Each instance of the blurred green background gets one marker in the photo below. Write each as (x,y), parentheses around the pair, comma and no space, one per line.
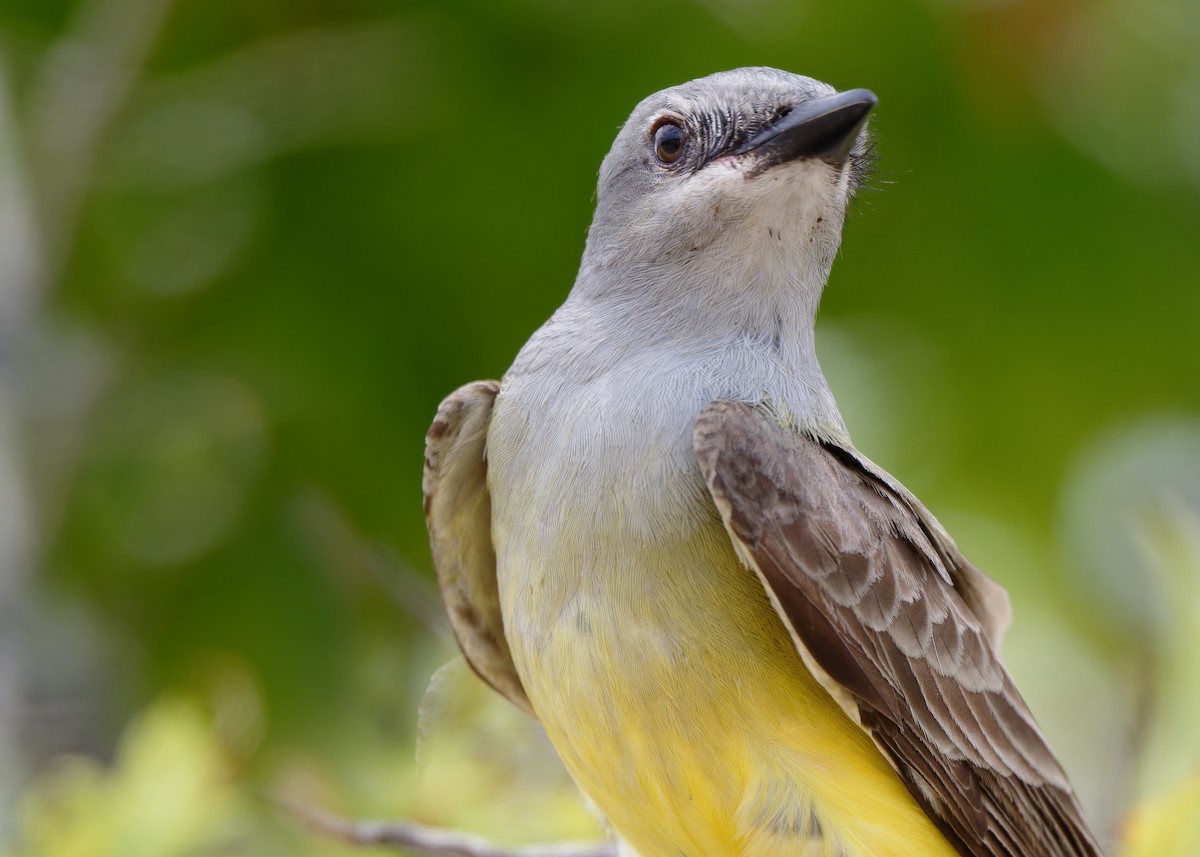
(246,247)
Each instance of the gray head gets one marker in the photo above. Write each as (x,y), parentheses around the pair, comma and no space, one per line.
(747,167)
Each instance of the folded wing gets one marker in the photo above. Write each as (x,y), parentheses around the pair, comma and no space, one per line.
(458,512)
(897,625)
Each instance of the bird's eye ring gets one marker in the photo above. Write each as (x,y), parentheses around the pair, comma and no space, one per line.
(668,142)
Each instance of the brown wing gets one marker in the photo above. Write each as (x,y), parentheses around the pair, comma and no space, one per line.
(458,513)
(887,614)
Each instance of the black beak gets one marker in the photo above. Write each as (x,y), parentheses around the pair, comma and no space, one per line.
(823,128)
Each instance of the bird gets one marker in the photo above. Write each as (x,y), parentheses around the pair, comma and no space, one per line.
(654,534)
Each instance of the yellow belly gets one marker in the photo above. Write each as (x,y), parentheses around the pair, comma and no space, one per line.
(675,698)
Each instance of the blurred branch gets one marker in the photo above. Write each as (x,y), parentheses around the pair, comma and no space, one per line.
(18,263)
(293,90)
(83,84)
(345,550)
(432,841)
(412,591)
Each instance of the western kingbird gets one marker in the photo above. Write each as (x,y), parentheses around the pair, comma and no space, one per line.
(655,536)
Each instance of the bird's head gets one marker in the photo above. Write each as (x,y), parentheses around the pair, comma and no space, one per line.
(747,167)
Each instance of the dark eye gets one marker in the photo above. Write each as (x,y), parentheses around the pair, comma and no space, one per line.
(668,143)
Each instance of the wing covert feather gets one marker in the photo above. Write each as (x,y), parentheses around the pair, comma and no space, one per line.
(458,512)
(902,630)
